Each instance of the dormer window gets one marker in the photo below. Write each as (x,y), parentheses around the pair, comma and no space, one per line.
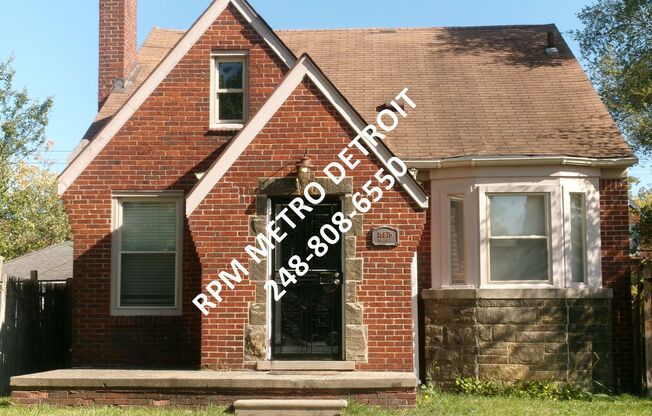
(229,104)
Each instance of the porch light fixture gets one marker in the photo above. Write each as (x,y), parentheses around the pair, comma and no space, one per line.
(304,172)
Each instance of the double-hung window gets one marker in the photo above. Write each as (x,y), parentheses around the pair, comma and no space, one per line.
(230,90)
(147,255)
(519,237)
(456,252)
(577,238)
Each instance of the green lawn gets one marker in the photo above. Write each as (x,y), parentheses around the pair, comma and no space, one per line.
(439,405)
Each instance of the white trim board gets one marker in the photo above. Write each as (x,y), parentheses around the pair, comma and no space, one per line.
(94,147)
(473,161)
(305,67)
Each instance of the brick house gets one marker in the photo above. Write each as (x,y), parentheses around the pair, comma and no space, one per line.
(508,251)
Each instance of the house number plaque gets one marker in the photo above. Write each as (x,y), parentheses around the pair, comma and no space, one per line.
(384,236)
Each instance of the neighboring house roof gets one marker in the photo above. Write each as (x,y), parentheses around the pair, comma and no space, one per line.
(479,90)
(52,263)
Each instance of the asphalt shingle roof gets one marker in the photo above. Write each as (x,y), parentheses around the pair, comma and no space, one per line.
(52,263)
(480,91)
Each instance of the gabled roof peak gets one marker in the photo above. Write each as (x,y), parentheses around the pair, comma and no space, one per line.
(304,68)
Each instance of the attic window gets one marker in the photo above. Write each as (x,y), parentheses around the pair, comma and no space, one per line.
(229,102)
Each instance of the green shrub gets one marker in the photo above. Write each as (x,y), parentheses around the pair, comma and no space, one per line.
(528,389)
(427,391)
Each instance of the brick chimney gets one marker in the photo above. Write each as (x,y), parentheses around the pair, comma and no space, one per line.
(117,45)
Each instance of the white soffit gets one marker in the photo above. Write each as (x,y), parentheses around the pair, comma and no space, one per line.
(86,156)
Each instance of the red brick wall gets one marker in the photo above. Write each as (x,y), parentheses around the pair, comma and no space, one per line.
(614,223)
(395,398)
(220,229)
(424,252)
(117,43)
(164,143)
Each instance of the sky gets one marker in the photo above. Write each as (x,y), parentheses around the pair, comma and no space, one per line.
(54,42)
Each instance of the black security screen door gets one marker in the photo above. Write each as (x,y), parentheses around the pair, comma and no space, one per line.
(307,321)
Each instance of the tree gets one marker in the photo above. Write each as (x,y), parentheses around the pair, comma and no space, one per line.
(616,42)
(31,216)
(642,227)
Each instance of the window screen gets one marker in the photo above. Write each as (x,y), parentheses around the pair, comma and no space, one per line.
(456,239)
(148,253)
(518,237)
(230,99)
(578,237)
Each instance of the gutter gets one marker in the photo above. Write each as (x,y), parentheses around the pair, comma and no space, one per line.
(475,161)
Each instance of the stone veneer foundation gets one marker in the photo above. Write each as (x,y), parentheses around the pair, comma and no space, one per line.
(514,335)
(355,336)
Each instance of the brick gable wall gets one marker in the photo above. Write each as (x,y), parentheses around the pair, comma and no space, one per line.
(616,271)
(307,121)
(159,148)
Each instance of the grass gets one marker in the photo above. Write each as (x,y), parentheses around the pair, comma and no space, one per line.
(439,404)
(442,404)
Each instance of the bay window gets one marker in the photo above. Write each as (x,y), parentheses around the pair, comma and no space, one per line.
(147,254)
(503,233)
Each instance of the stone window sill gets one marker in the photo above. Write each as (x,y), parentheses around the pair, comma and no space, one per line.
(227,127)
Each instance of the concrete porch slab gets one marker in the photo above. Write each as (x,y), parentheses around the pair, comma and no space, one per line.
(85,387)
(199,380)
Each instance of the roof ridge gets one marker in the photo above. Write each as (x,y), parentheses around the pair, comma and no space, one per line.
(396,28)
(167,29)
(361,29)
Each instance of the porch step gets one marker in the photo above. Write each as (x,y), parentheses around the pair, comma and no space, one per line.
(305,365)
(289,407)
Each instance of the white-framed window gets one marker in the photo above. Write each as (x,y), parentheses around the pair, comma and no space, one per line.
(147,253)
(582,234)
(456,240)
(229,79)
(518,235)
(577,264)
(453,252)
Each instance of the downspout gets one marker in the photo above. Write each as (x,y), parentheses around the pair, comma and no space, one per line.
(415,316)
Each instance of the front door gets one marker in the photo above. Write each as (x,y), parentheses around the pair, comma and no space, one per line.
(307,320)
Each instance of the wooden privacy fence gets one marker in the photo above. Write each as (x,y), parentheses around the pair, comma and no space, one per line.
(34,327)
(645,326)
